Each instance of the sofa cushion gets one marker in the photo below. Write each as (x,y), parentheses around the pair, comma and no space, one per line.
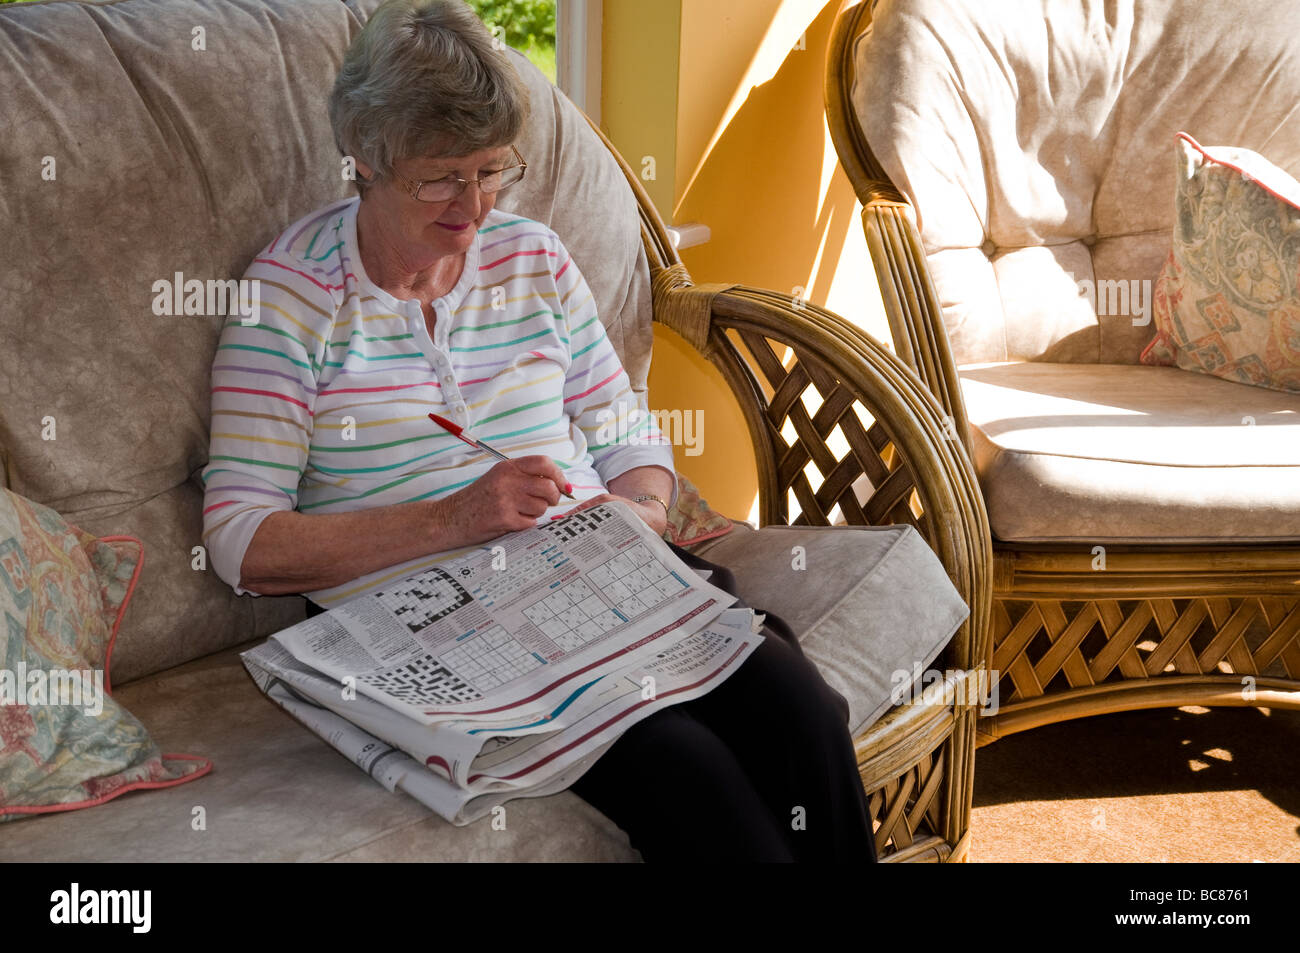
(209,154)
(191,176)
(1031,136)
(65,743)
(871,605)
(1227,302)
(280,793)
(1131,453)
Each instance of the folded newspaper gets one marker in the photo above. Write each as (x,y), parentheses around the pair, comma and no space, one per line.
(507,671)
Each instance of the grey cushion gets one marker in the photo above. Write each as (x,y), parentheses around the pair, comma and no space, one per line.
(871,607)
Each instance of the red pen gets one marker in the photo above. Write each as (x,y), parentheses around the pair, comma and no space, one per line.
(456,430)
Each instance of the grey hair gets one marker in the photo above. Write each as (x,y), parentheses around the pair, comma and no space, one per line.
(424,78)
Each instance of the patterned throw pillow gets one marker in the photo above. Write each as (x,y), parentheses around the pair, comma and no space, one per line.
(691,520)
(1226,302)
(64,742)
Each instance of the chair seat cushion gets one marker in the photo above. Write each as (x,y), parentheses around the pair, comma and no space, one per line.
(1132,454)
(871,605)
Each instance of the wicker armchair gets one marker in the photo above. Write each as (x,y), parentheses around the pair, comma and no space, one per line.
(1010,151)
(917,761)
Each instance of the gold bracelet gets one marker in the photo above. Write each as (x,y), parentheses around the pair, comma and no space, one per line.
(651,496)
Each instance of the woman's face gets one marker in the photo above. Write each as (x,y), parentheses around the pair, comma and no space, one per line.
(429,229)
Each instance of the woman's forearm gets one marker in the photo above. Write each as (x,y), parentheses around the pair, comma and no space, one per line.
(643,481)
(295,552)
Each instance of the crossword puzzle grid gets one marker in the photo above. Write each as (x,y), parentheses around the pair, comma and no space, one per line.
(423,682)
(634,580)
(575,525)
(422,601)
(492,659)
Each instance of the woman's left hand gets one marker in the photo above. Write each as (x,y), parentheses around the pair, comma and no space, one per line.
(651,513)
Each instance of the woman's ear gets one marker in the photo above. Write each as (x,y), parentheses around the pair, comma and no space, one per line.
(364,172)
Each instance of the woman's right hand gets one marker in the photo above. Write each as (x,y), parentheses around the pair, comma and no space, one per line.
(508,498)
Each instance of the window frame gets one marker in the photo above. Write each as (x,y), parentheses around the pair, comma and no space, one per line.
(577,53)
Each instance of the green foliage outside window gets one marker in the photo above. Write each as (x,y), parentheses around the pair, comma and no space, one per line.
(525,22)
(527,25)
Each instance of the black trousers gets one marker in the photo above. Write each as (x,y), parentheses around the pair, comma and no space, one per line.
(761,768)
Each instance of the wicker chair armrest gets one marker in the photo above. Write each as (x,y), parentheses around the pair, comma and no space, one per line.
(904,462)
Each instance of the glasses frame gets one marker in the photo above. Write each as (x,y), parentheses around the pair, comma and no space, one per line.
(412,186)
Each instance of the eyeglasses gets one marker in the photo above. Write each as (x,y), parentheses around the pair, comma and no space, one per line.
(450,186)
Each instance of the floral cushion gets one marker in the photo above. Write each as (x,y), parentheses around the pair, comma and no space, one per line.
(691,520)
(1226,302)
(64,742)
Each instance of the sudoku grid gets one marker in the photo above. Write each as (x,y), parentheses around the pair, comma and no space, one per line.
(492,658)
(574,615)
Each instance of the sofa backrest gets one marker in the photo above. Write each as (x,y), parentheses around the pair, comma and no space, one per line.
(146,139)
(1035,139)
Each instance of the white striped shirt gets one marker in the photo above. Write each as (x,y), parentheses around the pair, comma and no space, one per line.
(322,404)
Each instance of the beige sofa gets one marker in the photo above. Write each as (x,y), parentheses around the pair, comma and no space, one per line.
(181,137)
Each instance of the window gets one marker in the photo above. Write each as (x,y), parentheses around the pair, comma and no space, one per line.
(526,25)
(560,37)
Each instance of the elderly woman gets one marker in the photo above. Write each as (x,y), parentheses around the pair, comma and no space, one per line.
(328,478)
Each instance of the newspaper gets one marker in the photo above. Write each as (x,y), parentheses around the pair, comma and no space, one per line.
(395,770)
(463,769)
(507,671)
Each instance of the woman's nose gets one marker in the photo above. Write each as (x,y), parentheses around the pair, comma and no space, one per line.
(469,202)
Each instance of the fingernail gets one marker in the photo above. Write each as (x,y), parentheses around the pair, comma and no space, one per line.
(568,488)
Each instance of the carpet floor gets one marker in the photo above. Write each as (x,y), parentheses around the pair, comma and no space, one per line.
(1176,785)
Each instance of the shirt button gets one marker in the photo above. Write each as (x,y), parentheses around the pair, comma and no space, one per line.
(448,379)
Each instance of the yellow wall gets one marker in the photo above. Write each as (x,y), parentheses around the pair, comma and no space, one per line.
(638,95)
(741,145)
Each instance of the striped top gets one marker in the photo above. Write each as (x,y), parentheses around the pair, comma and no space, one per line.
(322,404)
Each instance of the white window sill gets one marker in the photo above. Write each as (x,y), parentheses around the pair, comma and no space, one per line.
(688,234)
